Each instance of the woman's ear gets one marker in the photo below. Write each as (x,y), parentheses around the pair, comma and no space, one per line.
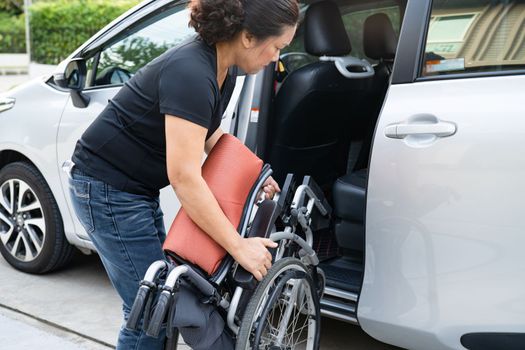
(247,39)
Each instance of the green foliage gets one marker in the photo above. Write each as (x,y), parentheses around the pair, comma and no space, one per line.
(131,54)
(11,7)
(12,34)
(59,27)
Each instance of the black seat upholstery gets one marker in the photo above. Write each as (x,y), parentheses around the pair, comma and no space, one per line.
(312,107)
(349,196)
(349,191)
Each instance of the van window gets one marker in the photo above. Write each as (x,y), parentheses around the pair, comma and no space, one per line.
(354,20)
(354,17)
(120,60)
(475,36)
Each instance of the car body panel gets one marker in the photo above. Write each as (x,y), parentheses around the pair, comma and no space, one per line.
(73,123)
(445,234)
(31,130)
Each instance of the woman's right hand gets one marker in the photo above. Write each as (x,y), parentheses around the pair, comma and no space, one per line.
(253,255)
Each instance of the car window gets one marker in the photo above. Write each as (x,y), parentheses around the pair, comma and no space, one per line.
(354,17)
(294,56)
(119,61)
(475,36)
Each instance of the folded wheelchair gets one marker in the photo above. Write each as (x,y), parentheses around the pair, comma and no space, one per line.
(200,292)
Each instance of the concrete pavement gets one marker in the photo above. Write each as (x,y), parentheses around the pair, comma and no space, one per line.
(77,303)
(31,333)
(79,306)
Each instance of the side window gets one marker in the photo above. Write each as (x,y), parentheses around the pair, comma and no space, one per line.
(354,18)
(475,36)
(354,21)
(295,56)
(119,61)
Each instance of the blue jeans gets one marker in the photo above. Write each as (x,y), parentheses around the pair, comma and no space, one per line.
(128,232)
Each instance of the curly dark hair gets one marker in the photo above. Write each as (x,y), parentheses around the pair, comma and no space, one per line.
(221,20)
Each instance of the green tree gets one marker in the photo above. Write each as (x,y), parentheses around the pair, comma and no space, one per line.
(131,53)
(12,7)
(12,33)
(59,27)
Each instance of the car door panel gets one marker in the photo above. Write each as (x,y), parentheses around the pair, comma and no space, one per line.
(444,229)
(73,123)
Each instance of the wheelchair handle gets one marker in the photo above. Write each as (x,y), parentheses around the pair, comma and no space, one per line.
(154,269)
(310,253)
(163,303)
(144,293)
(161,309)
(165,298)
(138,307)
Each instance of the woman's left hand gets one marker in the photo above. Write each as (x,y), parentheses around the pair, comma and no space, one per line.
(270,187)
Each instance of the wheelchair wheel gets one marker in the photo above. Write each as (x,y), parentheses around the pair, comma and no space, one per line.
(283,313)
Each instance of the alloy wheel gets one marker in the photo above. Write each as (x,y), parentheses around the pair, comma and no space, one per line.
(22,222)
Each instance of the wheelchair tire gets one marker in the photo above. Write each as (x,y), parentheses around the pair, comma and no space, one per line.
(262,324)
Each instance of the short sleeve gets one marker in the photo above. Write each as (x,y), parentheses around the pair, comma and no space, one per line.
(186,90)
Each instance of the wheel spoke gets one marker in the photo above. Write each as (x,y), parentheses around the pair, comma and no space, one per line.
(34,205)
(5,236)
(37,242)
(8,205)
(291,320)
(287,312)
(38,222)
(5,219)
(29,252)
(22,189)
(15,245)
(308,307)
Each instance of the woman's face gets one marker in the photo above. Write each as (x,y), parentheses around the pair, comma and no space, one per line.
(257,54)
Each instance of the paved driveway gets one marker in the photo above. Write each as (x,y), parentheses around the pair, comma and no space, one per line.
(79,305)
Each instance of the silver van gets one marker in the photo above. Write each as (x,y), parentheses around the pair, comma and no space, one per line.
(410,116)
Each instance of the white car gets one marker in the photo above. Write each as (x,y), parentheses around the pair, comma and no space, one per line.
(410,116)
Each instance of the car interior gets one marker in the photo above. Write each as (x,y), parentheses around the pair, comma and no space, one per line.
(321,123)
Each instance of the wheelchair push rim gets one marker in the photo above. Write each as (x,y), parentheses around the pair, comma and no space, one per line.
(283,312)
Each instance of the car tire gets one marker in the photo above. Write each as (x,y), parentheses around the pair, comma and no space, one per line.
(32,235)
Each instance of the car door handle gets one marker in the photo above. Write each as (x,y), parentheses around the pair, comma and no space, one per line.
(401,130)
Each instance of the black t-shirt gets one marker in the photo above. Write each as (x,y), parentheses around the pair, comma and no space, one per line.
(125,146)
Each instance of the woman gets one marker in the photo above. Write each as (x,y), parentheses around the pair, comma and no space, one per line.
(153,133)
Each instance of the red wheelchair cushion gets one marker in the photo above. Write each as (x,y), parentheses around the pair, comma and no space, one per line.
(230,171)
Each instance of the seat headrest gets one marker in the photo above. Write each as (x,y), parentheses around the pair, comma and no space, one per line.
(379,37)
(325,33)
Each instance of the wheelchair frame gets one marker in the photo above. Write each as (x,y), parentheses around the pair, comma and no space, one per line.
(300,209)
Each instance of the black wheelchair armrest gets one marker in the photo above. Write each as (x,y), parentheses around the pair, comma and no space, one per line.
(287,192)
(262,226)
